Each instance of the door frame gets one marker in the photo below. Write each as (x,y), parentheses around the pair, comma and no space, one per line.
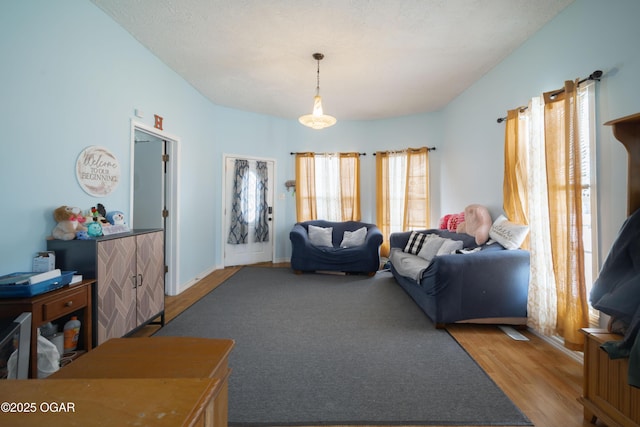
(171,231)
(225,185)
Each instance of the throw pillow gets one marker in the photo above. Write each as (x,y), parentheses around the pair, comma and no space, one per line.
(454,220)
(416,240)
(449,246)
(320,236)
(431,246)
(354,238)
(444,221)
(507,233)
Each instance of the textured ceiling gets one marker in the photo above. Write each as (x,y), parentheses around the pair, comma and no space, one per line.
(383,58)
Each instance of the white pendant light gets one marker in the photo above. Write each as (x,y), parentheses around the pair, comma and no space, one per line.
(317,119)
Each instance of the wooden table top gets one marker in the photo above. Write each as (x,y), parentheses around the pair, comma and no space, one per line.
(105,402)
(601,335)
(153,357)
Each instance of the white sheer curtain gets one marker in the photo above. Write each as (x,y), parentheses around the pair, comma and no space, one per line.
(397,186)
(328,187)
(543,310)
(542,304)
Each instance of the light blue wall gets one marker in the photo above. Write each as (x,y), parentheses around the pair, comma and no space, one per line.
(71,77)
(368,137)
(587,36)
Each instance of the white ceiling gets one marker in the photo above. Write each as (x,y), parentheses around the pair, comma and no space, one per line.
(383,58)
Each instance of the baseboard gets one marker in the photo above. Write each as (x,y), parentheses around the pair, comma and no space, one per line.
(184,286)
(556,342)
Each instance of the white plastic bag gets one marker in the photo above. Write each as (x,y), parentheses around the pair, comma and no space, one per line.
(12,366)
(48,357)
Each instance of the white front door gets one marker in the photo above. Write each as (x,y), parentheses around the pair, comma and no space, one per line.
(250,252)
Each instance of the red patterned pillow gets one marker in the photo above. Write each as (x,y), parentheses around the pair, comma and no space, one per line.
(444,221)
(454,220)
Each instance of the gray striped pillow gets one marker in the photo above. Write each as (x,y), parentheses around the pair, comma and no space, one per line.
(416,240)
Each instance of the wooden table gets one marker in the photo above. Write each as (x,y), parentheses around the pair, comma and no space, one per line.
(108,402)
(51,307)
(159,357)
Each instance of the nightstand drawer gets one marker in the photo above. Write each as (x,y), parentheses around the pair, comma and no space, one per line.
(64,305)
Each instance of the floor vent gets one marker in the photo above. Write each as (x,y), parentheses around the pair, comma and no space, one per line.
(513,333)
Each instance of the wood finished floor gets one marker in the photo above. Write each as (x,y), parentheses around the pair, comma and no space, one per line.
(541,380)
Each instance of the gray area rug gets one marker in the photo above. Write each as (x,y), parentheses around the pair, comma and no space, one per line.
(318,349)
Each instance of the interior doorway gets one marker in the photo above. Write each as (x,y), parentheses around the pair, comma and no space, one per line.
(154,196)
(256,210)
(149,183)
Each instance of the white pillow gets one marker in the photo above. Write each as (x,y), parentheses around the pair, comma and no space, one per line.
(449,246)
(320,236)
(431,245)
(507,233)
(416,240)
(353,238)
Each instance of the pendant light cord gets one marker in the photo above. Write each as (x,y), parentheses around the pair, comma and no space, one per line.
(318,79)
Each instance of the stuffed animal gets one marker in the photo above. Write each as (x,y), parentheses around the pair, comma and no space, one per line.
(476,223)
(83,235)
(115,218)
(98,215)
(94,229)
(101,210)
(69,221)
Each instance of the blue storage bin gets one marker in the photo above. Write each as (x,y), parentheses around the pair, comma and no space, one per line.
(14,290)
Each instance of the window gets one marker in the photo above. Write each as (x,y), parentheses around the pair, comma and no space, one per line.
(402,196)
(328,195)
(328,186)
(397,184)
(549,184)
(586,121)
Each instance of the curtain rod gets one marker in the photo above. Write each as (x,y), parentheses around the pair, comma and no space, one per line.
(596,75)
(364,154)
(309,152)
(407,149)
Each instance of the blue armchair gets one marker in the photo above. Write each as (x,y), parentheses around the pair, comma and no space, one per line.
(364,258)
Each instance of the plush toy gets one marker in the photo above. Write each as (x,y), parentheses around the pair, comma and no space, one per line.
(83,235)
(101,210)
(69,221)
(115,218)
(98,215)
(476,223)
(94,229)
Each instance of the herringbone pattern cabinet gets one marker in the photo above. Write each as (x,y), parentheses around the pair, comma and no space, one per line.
(129,273)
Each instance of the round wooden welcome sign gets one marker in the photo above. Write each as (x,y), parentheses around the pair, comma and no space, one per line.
(98,171)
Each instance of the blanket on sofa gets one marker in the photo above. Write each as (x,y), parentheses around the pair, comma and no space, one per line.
(407,264)
(421,249)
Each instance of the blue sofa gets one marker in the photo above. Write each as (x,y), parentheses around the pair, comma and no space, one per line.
(358,259)
(487,286)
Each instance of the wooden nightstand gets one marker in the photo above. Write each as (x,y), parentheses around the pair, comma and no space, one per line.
(50,307)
